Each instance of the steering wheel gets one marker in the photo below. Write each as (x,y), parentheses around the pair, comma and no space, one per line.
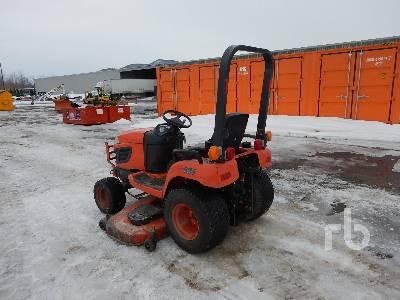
(176,121)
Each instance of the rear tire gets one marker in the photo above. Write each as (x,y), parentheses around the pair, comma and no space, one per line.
(197,220)
(263,194)
(109,195)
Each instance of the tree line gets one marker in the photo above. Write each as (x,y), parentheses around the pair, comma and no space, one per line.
(15,83)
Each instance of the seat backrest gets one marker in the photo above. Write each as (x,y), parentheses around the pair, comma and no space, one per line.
(235,126)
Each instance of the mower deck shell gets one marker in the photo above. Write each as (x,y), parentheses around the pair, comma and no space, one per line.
(120,228)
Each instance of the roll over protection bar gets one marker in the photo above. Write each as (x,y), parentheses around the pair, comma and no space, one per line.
(223,81)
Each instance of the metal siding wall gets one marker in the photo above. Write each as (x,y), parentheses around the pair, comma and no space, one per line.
(78,83)
(304,81)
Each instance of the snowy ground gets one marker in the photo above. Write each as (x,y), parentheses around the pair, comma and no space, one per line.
(51,246)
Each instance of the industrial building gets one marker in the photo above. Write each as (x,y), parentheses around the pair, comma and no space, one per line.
(137,78)
(76,83)
(353,80)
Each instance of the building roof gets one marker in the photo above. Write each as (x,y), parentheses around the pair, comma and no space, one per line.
(152,65)
(386,40)
(78,74)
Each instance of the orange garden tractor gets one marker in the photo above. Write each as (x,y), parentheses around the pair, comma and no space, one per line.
(194,193)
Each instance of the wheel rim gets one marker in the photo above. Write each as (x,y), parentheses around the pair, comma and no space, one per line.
(102,198)
(185,221)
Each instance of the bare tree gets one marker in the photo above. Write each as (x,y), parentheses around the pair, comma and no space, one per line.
(17,80)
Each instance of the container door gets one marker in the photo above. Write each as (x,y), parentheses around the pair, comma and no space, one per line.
(337,73)
(207,89)
(256,78)
(182,90)
(288,86)
(374,85)
(231,99)
(167,90)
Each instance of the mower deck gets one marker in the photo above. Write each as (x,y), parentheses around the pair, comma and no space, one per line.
(121,228)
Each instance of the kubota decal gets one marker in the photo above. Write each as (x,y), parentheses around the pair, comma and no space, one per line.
(189,171)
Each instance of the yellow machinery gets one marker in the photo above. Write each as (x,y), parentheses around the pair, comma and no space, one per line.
(6,101)
(99,97)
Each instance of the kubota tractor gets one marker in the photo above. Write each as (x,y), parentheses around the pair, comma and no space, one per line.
(194,193)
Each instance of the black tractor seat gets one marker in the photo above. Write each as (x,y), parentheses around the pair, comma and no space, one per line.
(234,129)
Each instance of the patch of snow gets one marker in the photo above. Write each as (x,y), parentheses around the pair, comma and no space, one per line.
(73,95)
(308,206)
(122,122)
(341,131)
(396,167)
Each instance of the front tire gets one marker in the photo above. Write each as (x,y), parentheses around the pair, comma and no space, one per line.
(197,220)
(109,195)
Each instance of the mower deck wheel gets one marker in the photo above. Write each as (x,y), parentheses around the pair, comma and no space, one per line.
(197,220)
(150,244)
(109,195)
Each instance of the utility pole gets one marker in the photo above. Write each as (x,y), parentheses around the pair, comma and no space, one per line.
(2,78)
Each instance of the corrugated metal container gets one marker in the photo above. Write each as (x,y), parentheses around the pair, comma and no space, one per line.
(357,80)
(90,115)
(118,112)
(61,104)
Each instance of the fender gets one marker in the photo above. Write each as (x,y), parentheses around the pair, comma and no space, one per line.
(213,175)
(264,157)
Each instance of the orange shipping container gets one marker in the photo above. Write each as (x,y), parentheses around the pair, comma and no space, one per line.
(357,80)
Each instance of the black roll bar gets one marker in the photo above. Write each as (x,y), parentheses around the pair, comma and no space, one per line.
(223,80)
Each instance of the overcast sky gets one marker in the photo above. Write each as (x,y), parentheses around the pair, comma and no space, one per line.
(53,37)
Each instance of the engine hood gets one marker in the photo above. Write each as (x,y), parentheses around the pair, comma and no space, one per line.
(133,136)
